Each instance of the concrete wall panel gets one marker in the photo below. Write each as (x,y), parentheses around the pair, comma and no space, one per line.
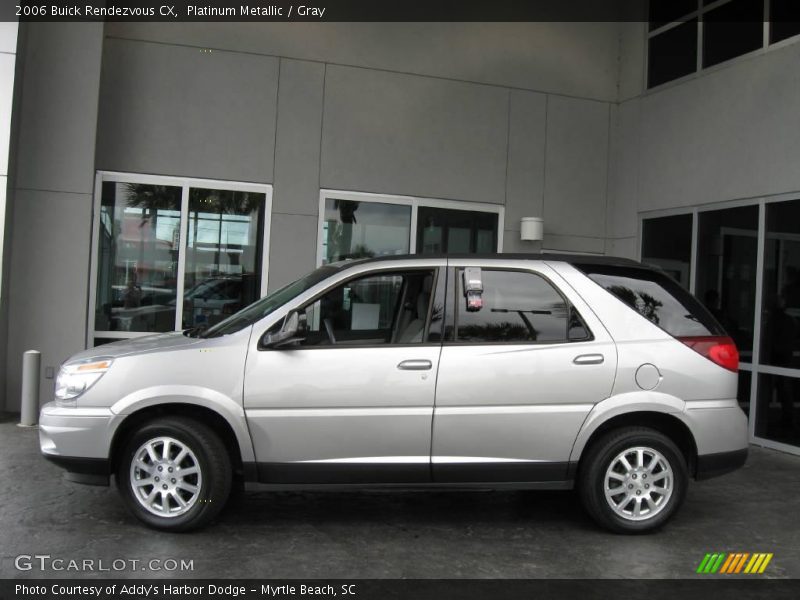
(59,107)
(384,132)
(49,281)
(526,157)
(293,248)
(577,59)
(730,133)
(173,110)
(297,147)
(576,167)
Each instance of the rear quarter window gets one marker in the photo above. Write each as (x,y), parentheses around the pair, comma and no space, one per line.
(657,297)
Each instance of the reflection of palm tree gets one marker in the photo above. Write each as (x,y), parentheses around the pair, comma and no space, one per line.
(643,303)
(157,198)
(651,306)
(152,199)
(340,234)
(437,312)
(225,201)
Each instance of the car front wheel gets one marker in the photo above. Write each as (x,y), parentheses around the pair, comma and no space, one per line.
(634,480)
(174,474)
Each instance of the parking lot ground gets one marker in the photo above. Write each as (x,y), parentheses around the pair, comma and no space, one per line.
(392,534)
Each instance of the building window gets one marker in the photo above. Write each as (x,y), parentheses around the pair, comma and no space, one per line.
(442,230)
(757,303)
(174,253)
(732,29)
(784,16)
(664,12)
(672,54)
(726,28)
(726,271)
(360,225)
(667,243)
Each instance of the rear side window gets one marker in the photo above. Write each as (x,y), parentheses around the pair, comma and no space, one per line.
(656,297)
(517,307)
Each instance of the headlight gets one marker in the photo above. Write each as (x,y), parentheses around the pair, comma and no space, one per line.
(76,378)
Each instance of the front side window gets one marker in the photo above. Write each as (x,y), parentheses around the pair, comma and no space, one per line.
(385,308)
(268,304)
(517,306)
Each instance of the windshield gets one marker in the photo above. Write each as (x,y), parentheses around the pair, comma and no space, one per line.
(261,308)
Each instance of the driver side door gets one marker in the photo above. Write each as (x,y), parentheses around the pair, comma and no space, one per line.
(353,401)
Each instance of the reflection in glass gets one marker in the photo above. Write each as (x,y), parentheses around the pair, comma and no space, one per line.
(517,307)
(667,243)
(444,230)
(778,414)
(657,298)
(223,257)
(355,229)
(780,315)
(137,257)
(726,271)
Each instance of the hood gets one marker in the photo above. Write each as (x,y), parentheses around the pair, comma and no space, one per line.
(140,345)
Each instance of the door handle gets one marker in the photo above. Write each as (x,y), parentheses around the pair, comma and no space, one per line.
(415,365)
(589,359)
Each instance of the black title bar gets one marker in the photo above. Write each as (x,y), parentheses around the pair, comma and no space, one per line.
(730,588)
(324,10)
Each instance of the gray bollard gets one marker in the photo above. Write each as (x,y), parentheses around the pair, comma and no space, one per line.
(29,407)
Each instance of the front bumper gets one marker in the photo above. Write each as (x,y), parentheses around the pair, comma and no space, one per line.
(78,440)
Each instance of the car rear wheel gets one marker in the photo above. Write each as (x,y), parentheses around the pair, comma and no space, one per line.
(174,474)
(634,480)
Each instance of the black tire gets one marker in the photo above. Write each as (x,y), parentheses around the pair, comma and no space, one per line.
(213,461)
(599,457)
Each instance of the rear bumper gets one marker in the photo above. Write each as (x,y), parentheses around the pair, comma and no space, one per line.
(713,465)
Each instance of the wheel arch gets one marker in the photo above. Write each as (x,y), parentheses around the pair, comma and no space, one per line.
(218,423)
(667,423)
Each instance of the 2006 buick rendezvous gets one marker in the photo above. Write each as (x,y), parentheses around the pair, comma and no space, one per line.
(507,371)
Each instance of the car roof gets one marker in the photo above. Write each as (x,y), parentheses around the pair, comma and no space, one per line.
(582,259)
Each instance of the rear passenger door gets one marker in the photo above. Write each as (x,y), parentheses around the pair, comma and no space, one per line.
(516,377)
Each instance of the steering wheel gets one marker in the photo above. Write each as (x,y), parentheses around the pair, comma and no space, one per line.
(329,329)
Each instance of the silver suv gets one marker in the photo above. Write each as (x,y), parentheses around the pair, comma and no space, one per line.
(509,371)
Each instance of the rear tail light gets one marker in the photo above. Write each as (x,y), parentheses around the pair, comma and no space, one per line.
(719,349)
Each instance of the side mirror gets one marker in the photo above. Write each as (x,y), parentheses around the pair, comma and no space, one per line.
(291,332)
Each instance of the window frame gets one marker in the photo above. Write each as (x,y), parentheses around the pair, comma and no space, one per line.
(454,310)
(414,202)
(185,183)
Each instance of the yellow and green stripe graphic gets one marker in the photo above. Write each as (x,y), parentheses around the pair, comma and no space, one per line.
(734,563)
